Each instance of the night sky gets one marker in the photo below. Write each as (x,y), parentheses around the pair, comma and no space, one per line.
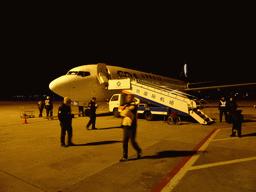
(39,49)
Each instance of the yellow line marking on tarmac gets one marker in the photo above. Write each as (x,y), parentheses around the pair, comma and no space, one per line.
(176,179)
(221,163)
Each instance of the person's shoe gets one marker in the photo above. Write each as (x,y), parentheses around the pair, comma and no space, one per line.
(71,144)
(94,128)
(123,159)
(232,135)
(240,136)
(63,145)
(139,155)
(87,128)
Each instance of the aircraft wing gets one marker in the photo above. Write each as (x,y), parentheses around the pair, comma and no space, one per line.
(218,87)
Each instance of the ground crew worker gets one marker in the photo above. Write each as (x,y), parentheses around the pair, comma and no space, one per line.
(48,106)
(40,107)
(223,108)
(65,118)
(92,112)
(129,114)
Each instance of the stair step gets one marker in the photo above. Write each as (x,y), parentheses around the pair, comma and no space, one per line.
(207,119)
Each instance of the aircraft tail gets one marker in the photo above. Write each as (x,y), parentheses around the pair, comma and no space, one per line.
(184,71)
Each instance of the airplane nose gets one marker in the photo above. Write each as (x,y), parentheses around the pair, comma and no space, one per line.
(59,86)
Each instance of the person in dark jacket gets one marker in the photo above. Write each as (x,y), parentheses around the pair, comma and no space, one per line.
(41,107)
(232,106)
(65,118)
(223,108)
(92,106)
(236,118)
(48,106)
(237,123)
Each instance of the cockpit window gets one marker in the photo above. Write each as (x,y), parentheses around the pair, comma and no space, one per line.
(79,73)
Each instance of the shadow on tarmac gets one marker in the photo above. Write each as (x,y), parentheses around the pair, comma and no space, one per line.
(104,114)
(249,135)
(97,143)
(98,129)
(168,154)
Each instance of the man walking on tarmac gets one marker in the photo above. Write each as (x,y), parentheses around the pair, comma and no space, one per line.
(129,123)
(92,108)
(65,117)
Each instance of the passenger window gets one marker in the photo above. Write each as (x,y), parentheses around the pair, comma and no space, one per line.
(128,75)
(135,76)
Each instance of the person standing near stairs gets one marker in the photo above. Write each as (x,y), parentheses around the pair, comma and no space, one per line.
(223,108)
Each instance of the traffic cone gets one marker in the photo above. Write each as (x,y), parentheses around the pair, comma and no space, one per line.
(25,120)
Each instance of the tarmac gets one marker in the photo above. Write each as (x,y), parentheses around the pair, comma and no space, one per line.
(186,157)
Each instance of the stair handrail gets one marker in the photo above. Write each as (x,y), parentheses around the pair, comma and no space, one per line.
(204,105)
(166,89)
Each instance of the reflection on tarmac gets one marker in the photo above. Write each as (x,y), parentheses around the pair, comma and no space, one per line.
(189,157)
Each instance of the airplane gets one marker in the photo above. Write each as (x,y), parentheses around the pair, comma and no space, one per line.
(82,83)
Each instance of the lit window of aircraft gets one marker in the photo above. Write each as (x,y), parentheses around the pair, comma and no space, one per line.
(84,82)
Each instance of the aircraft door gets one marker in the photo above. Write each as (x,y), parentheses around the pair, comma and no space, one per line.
(102,73)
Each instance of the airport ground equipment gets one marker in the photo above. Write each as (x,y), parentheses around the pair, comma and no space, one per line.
(27,114)
(163,96)
(149,111)
(174,118)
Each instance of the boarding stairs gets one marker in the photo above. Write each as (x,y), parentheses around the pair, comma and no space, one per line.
(163,96)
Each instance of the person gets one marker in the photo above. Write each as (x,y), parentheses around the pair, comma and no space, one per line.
(236,118)
(41,107)
(129,114)
(48,106)
(65,118)
(237,123)
(232,106)
(92,112)
(81,111)
(223,108)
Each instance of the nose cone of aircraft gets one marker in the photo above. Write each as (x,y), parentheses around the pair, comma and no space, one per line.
(60,86)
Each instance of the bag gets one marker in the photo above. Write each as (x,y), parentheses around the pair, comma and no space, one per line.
(128,117)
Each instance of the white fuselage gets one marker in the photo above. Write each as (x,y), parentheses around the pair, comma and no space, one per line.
(81,83)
